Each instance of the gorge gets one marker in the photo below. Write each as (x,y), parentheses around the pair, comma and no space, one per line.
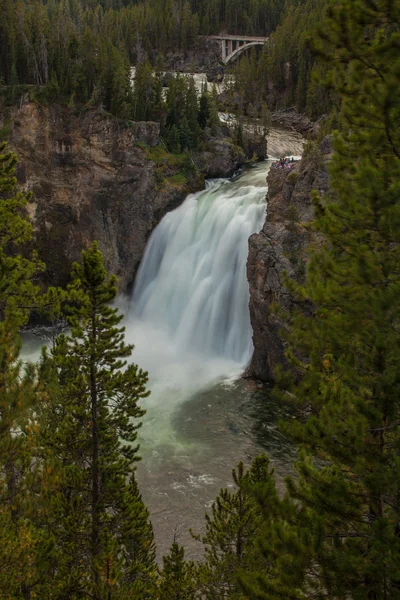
(189,320)
(199,335)
(188,316)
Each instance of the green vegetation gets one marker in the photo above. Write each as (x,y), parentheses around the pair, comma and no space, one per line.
(286,73)
(177,577)
(336,534)
(88,433)
(81,52)
(72,521)
(231,528)
(175,170)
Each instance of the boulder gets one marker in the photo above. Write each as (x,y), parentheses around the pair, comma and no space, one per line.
(216,74)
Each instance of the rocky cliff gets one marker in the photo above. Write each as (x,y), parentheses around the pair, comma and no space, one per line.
(94,177)
(289,118)
(204,56)
(282,246)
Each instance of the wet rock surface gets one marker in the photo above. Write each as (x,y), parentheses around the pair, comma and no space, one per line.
(282,246)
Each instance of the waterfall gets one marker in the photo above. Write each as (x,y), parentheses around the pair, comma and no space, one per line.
(192,282)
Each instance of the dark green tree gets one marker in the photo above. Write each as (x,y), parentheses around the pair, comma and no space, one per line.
(88,437)
(231,531)
(191,113)
(145,96)
(135,530)
(339,535)
(21,543)
(177,576)
(185,135)
(204,111)
(174,140)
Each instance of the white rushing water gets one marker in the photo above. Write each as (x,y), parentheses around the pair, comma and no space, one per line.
(189,316)
(192,282)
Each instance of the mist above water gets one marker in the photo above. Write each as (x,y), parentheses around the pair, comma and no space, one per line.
(189,315)
(201,418)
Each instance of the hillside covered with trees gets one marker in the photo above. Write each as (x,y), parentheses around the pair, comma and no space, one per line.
(73,524)
(287,72)
(81,52)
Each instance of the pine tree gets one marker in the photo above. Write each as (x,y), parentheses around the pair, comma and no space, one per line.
(339,535)
(185,135)
(145,97)
(177,577)
(231,531)
(19,390)
(191,113)
(88,435)
(213,121)
(174,140)
(204,111)
(18,291)
(136,531)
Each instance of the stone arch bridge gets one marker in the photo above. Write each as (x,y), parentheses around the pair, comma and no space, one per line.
(234,45)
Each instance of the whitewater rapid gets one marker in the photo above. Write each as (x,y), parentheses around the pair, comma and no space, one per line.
(188,316)
(192,281)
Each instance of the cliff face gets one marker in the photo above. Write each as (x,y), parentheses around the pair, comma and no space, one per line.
(205,55)
(281,246)
(95,178)
(289,118)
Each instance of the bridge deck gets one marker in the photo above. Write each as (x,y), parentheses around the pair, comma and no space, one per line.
(244,38)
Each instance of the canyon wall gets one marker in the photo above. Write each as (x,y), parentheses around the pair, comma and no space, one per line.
(282,246)
(94,177)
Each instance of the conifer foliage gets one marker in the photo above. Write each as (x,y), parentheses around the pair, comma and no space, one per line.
(89,428)
(20,542)
(231,529)
(177,577)
(338,536)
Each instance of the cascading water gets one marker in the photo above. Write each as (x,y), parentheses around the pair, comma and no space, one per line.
(192,282)
(189,316)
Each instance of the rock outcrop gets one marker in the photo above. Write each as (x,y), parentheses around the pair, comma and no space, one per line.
(94,177)
(280,247)
(204,55)
(219,156)
(289,118)
(216,74)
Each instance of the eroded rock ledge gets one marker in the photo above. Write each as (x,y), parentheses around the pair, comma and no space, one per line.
(94,177)
(289,118)
(282,246)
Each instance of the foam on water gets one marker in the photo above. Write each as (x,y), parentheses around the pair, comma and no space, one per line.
(189,316)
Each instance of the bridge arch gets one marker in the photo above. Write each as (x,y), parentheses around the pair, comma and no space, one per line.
(240,50)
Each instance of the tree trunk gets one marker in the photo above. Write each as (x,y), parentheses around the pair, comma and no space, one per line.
(95,467)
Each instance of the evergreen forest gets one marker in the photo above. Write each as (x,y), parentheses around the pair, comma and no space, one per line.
(80,53)
(73,523)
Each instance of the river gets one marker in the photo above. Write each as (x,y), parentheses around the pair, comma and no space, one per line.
(189,320)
